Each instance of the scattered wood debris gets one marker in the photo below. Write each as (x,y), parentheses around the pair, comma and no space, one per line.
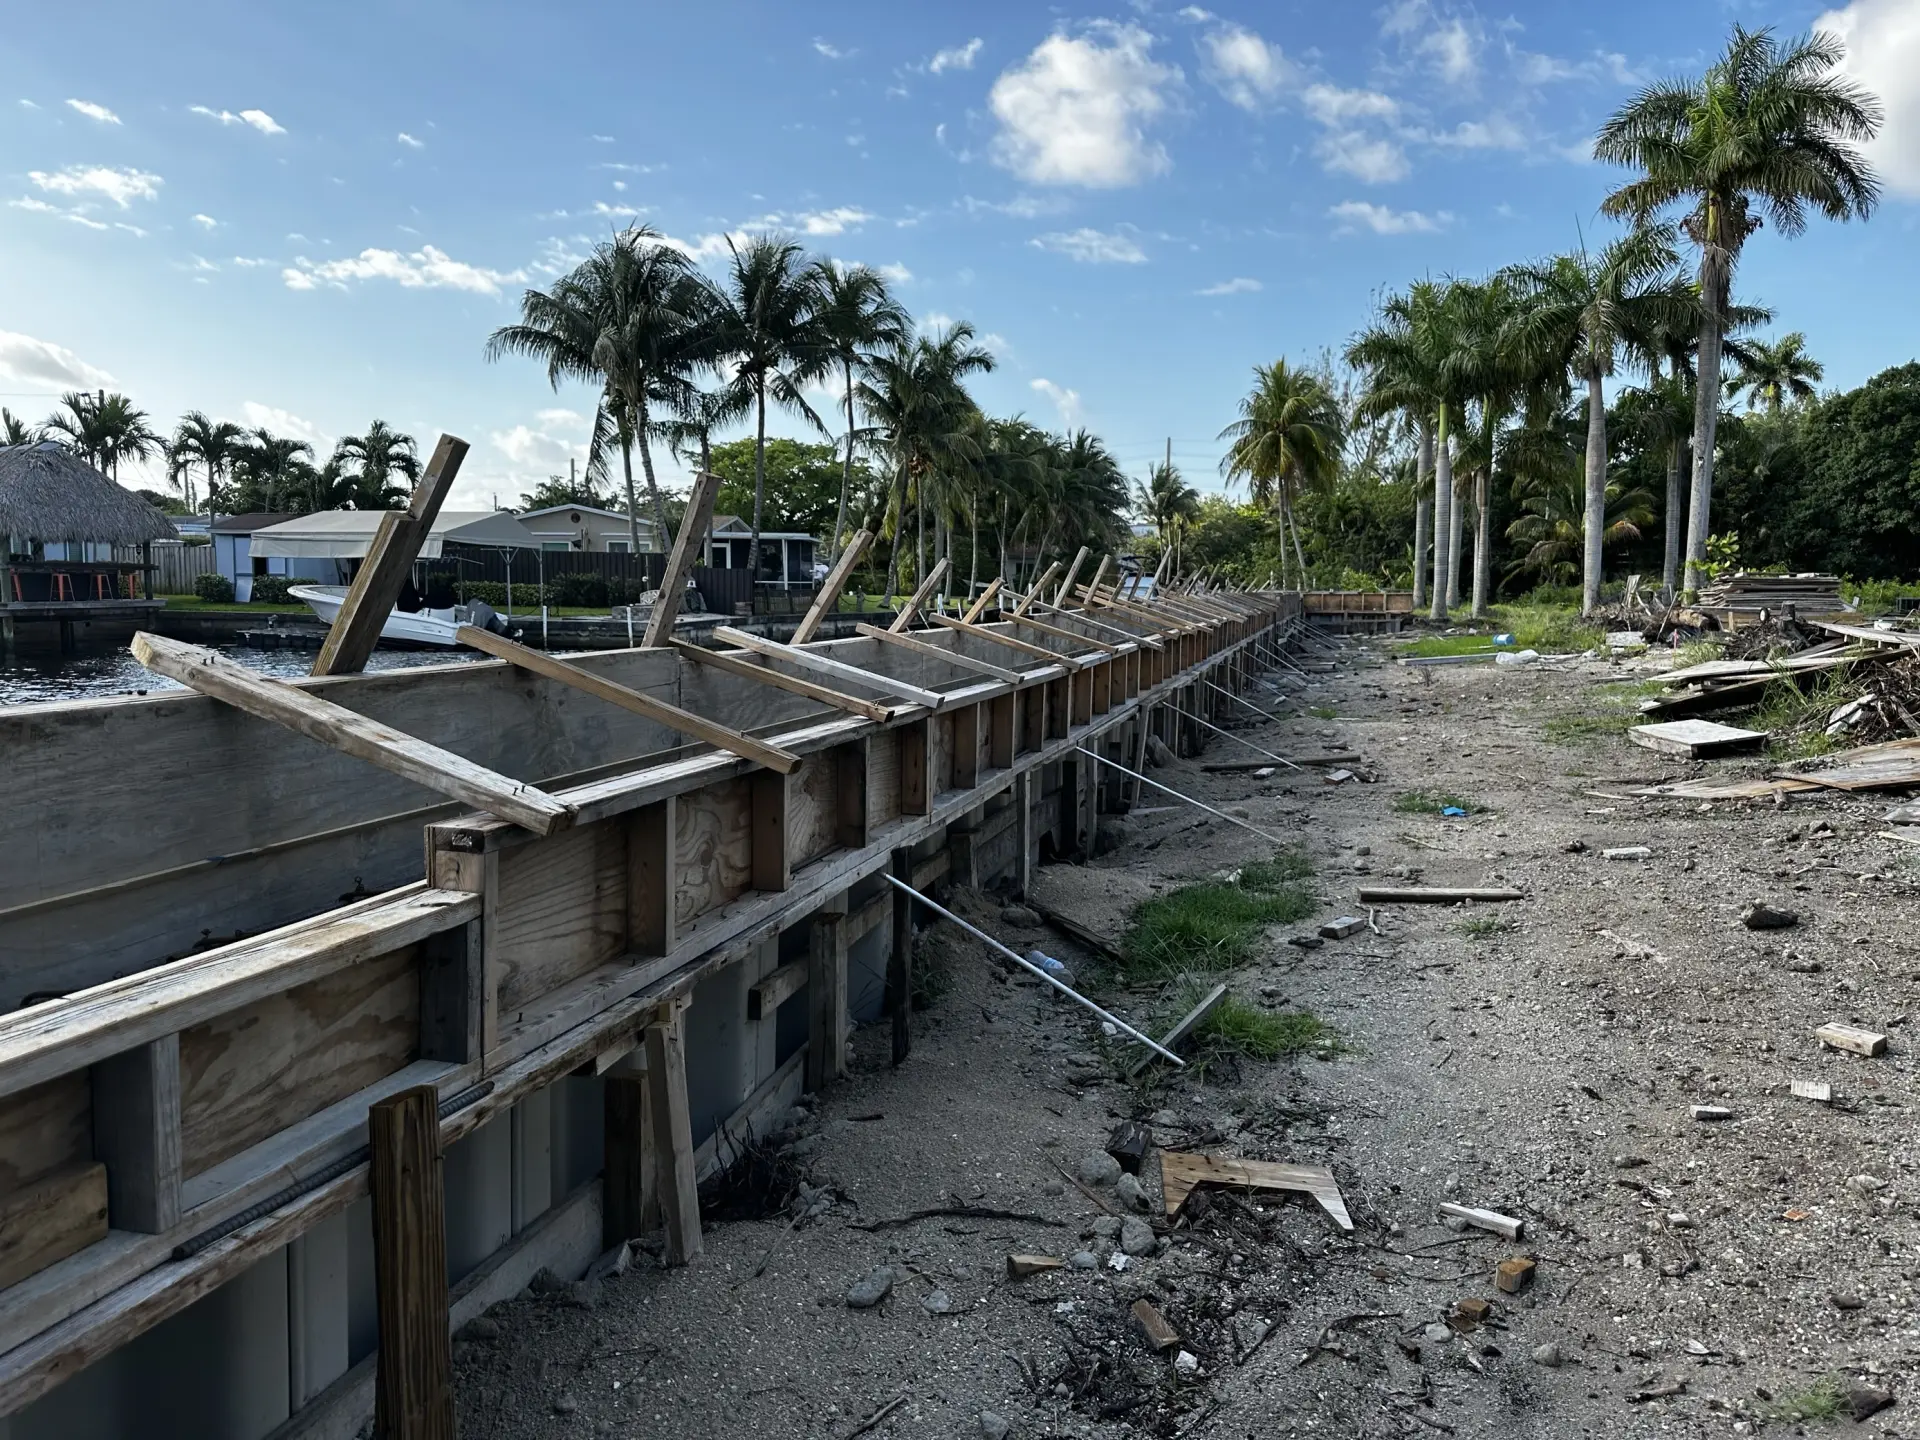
(1341,928)
(1505,1226)
(1021,1266)
(1128,1144)
(1695,739)
(1512,1276)
(1188,1024)
(1851,1038)
(1434,895)
(1153,1325)
(1180,1172)
(1818,1091)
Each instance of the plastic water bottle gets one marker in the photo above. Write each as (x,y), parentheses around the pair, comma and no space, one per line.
(1503,639)
(1046,963)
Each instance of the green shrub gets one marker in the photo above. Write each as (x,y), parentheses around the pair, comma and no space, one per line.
(494,593)
(271,590)
(578,587)
(214,589)
(1213,925)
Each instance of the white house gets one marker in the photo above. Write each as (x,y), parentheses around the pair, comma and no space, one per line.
(587,528)
(324,548)
(234,558)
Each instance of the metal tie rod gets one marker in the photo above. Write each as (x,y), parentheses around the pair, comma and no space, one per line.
(1231,820)
(1033,969)
(1264,714)
(1248,743)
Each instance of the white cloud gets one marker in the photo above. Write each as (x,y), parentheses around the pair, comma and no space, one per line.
(535,450)
(94,112)
(1066,401)
(601,139)
(1097,247)
(935,320)
(121,186)
(1239,285)
(832,222)
(1883,54)
(832,52)
(1021,207)
(133,230)
(1075,111)
(258,119)
(896,274)
(425,268)
(250,262)
(77,218)
(1354,214)
(411,143)
(707,247)
(1331,105)
(39,207)
(29,105)
(205,222)
(1195,14)
(1371,158)
(960,57)
(563,418)
(1496,132)
(1453,52)
(41,362)
(1246,69)
(204,266)
(285,422)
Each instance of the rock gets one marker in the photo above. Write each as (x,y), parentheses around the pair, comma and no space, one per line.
(1084,1260)
(936,1302)
(1249,1331)
(1761,916)
(481,1327)
(565,1405)
(1866,1401)
(584,1293)
(1843,1300)
(1157,751)
(1186,1364)
(869,1291)
(1110,835)
(1053,1187)
(1129,1191)
(1164,1119)
(1107,1228)
(1137,1237)
(1547,1355)
(1022,916)
(1098,1168)
(1306,942)
(1239,812)
(1437,1332)
(993,1427)
(1363,849)
(1866,1184)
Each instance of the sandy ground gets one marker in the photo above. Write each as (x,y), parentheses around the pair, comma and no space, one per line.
(1693,1277)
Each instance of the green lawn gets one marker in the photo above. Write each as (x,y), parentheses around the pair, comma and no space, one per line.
(1549,629)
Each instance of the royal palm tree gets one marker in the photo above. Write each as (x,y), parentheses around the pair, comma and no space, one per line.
(1487,366)
(1581,315)
(212,444)
(369,463)
(1169,504)
(767,326)
(1288,437)
(276,468)
(857,317)
(1548,462)
(1771,374)
(1770,130)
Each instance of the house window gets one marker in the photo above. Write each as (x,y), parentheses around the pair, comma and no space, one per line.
(617,547)
(555,545)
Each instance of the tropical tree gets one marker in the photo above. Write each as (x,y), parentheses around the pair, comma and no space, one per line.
(767,325)
(1554,528)
(212,444)
(1288,437)
(369,463)
(275,469)
(105,428)
(1771,374)
(1770,130)
(857,317)
(1169,504)
(1580,315)
(1486,366)
(14,430)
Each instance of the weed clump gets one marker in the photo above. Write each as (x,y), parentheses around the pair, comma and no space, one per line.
(1213,926)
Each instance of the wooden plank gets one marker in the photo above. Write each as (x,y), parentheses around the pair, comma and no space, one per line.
(1868,767)
(1694,738)
(1009,642)
(354,734)
(1073,570)
(382,575)
(918,598)
(917,784)
(823,665)
(713,849)
(560,910)
(775,989)
(1033,591)
(772,861)
(853,764)
(628,1166)
(1093,588)
(453,995)
(1505,1226)
(827,1018)
(1851,1038)
(1432,895)
(688,547)
(1338,757)
(673,1137)
(1180,1172)
(1138,634)
(733,664)
(980,606)
(56,1216)
(935,652)
(1041,627)
(966,747)
(829,596)
(414,1385)
(684,722)
(1189,1022)
(898,1000)
(1003,727)
(136,1132)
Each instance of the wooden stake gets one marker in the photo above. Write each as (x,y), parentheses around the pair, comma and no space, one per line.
(687,546)
(821,665)
(934,652)
(1073,570)
(658,711)
(1038,585)
(730,661)
(673,1136)
(352,733)
(413,1386)
(1093,587)
(829,596)
(918,598)
(979,607)
(378,582)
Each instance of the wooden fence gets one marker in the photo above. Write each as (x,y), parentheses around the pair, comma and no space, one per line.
(178,566)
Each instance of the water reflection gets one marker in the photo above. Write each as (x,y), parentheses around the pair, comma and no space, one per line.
(36,676)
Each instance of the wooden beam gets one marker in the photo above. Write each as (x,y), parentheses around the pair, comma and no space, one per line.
(827,1025)
(918,598)
(352,733)
(898,1002)
(979,607)
(836,581)
(687,548)
(730,661)
(1042,627)
(921,647)
(966,747)
(673,1135)
(50,1218)
(1080,617)
(775,989)
(821,665)
(651,877)
(413,1396)
(770,857)
(1093,587)
(685,722)
(1034,593)
(382,575)
(1073,570)
(994,637)
(136,1131)
(626,1189)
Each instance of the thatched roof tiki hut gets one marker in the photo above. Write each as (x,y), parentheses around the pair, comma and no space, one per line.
(61,522)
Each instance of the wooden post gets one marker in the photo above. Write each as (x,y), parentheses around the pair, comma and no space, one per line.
(918,598)
(650,882)
(673,1135)
(829,597)
(1002,712)
(687,546)
(1066,585)
(826,1000)
(916,766)
(966,747)
(899,996)
(377,584)
(979,607)
(413,1388)
(1023,829)
(1038,585)
(770,859)
(1093,588)
(629,1202)
(136,1131)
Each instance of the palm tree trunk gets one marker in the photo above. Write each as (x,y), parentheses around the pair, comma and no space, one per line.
(1716,267)
(1594,530)
(920,537)
(1442,515)
(1293,524)
(654,500)
(1280,522)
(1482,541)
(1422,514)
(633,503)
(759,481)
(1676,511)
(846,474)
(973,548)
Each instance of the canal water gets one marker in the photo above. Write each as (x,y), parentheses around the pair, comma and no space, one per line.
(36,676)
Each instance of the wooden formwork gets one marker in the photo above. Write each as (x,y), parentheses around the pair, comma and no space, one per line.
(162,1131)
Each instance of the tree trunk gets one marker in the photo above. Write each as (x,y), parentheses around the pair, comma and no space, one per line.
(920,535)
(846,474)
(633,502)
(1442,516)
(1715,267)
(1482,542)
(1422,514)
(1293,524)
(973,550)
(759,483)
(1280,520)
(1595,529)
(654,501)
(1676,513)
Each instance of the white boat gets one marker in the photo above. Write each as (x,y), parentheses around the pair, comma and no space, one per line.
(417,627)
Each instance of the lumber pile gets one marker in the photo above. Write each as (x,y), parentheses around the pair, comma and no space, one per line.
(1725,684)
(1750,594)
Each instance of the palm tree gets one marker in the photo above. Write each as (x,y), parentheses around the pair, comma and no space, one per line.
(276,467)
(1770,374)
(370,461)
(1578,314)
(1288,437)
(1547,460)
(1168,504)
(767,325)
(1485,365)
(1769,129)
(214,444)
(14,430)
(858,316)
(105,428)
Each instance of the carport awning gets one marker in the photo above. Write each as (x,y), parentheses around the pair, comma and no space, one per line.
(346,534)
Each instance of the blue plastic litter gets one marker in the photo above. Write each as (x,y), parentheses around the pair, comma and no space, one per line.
(1451,810)
(1503,639)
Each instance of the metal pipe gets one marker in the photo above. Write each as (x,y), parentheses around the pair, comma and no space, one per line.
(1248,743)
(1231,820)
(1264,714)
(1031,968)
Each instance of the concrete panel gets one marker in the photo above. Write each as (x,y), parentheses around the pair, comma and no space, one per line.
(479,1179)
(318,1317)
(531,1122)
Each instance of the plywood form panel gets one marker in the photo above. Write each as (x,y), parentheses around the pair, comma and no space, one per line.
(813,805)
(883,779)
(560,911)
(713,848)
(44,1129)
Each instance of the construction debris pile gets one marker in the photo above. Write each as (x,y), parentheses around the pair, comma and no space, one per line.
(1739,599)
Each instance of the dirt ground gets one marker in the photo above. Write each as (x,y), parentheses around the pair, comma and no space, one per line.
(1540,1059)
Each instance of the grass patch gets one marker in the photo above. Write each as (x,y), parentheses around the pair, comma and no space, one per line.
(1214,925)
(1549,629)
(1485,927)
(1795,718)
(1323,712)
(1432,802)
(1697,652)
(1614,708)
(1825,1399)
(1238,1029)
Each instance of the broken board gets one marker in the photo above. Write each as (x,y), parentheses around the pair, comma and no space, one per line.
(1180,1172)
(1871,767)
(1696,739)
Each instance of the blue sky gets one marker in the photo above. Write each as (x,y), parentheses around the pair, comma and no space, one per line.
(306,216)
